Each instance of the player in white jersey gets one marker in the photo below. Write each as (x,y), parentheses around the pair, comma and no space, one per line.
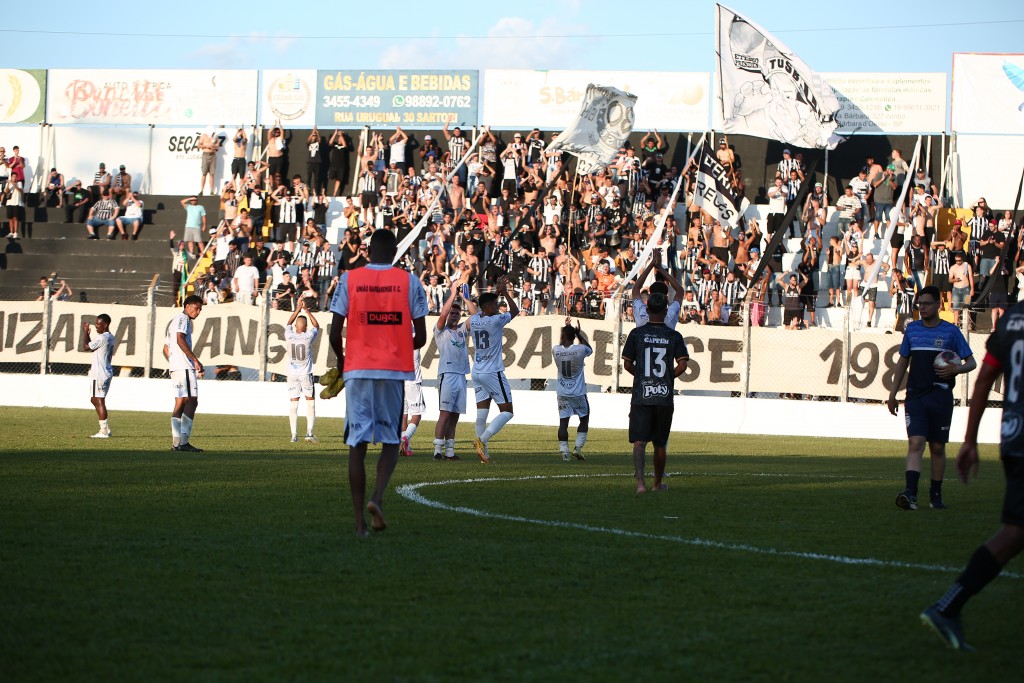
(452,368)
(185,373)
(486,327)
(571,391)
(102,347)
(640,307)
(300,340)
(413,407)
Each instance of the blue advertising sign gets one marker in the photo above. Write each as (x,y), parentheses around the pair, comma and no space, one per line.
(407,98)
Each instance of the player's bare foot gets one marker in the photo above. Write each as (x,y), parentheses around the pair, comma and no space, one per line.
(640,488)
(377,522)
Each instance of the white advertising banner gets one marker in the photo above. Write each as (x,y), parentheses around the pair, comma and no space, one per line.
(890,103)
(519,98)
(143,96)
(29,140)
(80,150)
(176,161)
(990,167)
(988,93)
(288,97)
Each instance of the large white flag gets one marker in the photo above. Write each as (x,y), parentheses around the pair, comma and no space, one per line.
(602,126)
(713,190)
(766,91)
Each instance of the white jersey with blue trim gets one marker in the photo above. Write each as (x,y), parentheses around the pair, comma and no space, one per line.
(641,316)
(486,331)
(177,360)
(452,351)
(569,366)
(300,350)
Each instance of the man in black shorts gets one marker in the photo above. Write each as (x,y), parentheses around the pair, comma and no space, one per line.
(648,356)
(1003,357)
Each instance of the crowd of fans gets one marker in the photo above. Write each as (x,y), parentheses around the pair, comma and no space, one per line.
(565,240)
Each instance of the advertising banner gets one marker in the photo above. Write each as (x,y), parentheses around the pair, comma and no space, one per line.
(288,97)
(890,102)
(520,98)
(177,159)
(410,99)
(22,95)
(988,93)
(159,97)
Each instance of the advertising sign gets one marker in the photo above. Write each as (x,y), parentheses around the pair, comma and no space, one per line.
(988,93)
(410,99)
(22,95)
(550,100)
(164,97)
(890,103)
(288,97)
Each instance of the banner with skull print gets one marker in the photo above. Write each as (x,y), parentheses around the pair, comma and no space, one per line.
(765,90)
(602,126)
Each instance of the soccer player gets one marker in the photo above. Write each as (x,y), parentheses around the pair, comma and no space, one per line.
(929,400)
(486,326)
(186,370)
(377,301)
(413,407)
(300,368)
(102,347)
(571,392)
(648,355)
(640,308)
(453,366)
(1003,356)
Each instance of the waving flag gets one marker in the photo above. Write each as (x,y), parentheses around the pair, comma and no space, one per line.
(602,126)
(765,90)
(713,190)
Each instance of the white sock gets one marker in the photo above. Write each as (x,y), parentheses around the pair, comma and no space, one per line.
(438,446)
(497,423)
(481,421)
(186,429)
(581,438)
(175,431)
(563,447)
(310,417)
(293,415)
(104,426)
(449,447)
(410,429)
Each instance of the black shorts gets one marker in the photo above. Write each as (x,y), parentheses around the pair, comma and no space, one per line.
(721,253)
(929,415)
(16,212)
(1013,501)
(367,199)
(808,301)
(650,423)
(943,283)
(238,166)
(897,240)
(791,314)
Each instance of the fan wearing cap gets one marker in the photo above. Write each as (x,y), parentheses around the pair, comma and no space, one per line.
(100,182)
(655,355)
(787,164)
(726,157)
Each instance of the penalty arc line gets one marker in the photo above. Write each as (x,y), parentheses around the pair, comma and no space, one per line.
(412,493)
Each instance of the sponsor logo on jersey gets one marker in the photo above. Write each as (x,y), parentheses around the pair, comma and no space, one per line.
(381,318)
(1012,423)
(659,390)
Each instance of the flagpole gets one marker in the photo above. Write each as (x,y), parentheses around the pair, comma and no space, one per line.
(659,224)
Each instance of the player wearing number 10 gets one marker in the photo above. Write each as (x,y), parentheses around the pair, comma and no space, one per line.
(929,403)
(300,368)
(648,355)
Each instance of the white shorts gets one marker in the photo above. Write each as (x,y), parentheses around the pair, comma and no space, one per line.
(373,411)
(492,385)
(451,387)
(573,405)
(300,385)
(185,383)
(414,403)
(100,388)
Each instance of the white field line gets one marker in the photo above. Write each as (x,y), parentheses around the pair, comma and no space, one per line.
(412,492)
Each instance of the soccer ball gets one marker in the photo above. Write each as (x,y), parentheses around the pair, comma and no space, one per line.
(946,359)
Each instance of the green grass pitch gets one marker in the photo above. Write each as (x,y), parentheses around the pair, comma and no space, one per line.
(122,560)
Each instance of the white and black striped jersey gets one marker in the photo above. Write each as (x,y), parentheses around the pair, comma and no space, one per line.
(787,165)
(978,226)
(905,298)
(940,263)
(457,147)
(325,263)
(541,265)
(704,289)
(733,292)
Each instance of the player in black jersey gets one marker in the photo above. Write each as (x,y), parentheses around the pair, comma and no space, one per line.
(1005,355)
(648,355)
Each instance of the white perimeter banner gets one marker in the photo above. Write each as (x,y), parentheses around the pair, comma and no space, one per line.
(79,152)
(990,167)
(806,362)
(288,96)
(890,103)
(159,97)
(988,93)
(668,101)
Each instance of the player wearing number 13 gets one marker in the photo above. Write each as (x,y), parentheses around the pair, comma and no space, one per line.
(648,355)
(929,402)
(299,340)
(487,327)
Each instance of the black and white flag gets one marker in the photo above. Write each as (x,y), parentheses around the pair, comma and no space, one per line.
(602,126)
(714,192)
